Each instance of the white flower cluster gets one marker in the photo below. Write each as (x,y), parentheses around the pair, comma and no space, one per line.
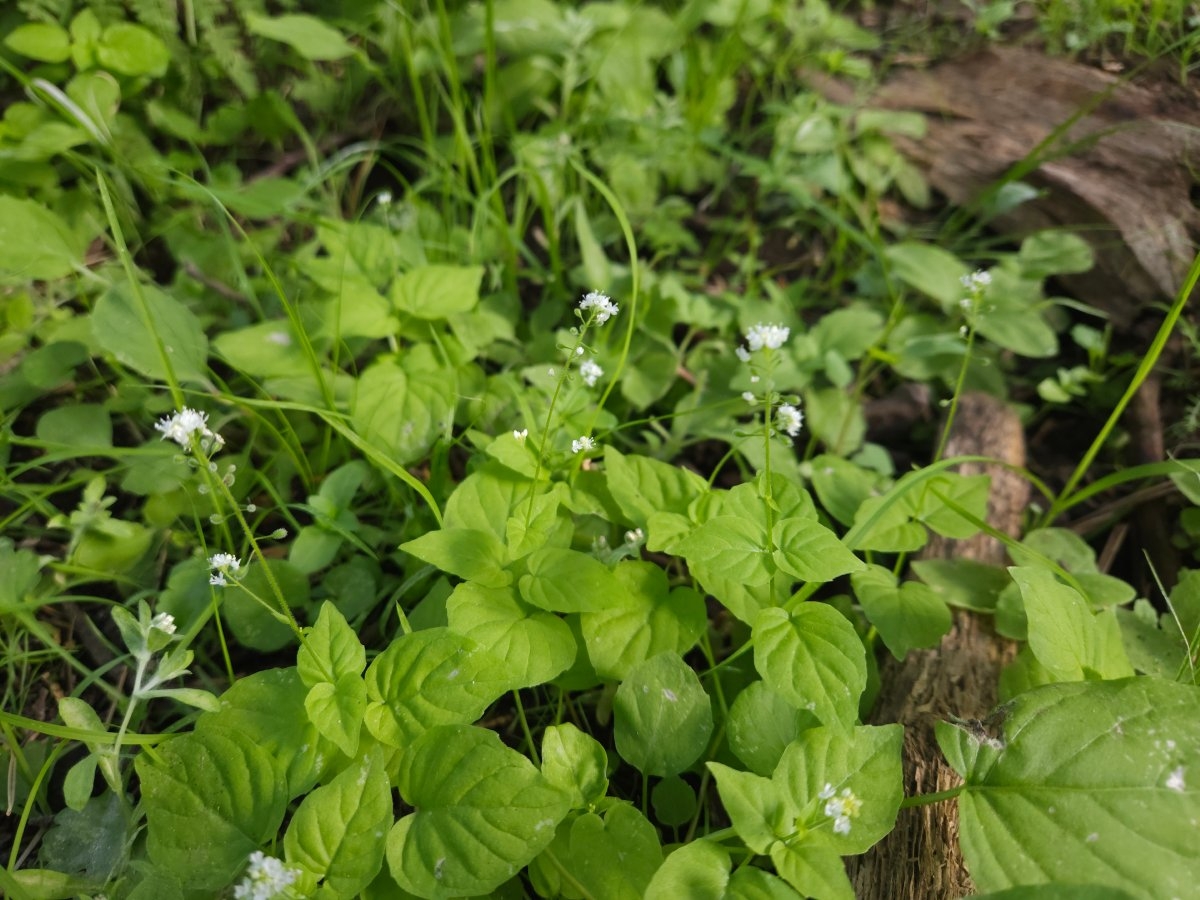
(789,419)
(604,308)
(266,877)
(187,422)
(976,281)
(224,566)
(164,622)
(841,808)
(590,371)
(583,443)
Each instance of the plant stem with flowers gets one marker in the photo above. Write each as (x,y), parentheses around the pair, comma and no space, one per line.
(972,306)
(594,309)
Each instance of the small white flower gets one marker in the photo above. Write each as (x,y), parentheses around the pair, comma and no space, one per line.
(266,877)
(976,281)
(841,825)
(182,425)
(635,537)
(789,419)
(579,351)
(384,198)
(520,436)
(582,443)
(164,622)
(826,792)
(841,809)
(743,354)
(590,371)
(224,566)
(766,335)
(748,396)
(604,308)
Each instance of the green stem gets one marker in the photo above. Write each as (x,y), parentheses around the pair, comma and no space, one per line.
(958,389)
(525,728)
(927,799)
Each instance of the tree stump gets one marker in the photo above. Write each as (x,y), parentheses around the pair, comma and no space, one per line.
(921,856)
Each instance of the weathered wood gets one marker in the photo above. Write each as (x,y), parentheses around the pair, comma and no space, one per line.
(921,856)
(1124,175)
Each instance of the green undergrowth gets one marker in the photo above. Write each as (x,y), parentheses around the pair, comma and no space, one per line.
(437,464)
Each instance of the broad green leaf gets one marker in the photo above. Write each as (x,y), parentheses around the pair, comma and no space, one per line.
(83,425)
(811,552)
(1088,783)
(330,649)
(760,812)
(614,856)
(531,645)
(309,36)
(486,499)
(482,813)
(836,418)
(466,552)
(337,833)
(1067,638)
(252,623)
(662,716)
(908,615)
(120,327)
(1058,891)
(749,883)
(575,763)
(814,869)
(561,580)
(674,801)
(429,678)
(1049,253)
(842,486)
(929,269)
(210,800)
(265,350)
(698,871)
(132,50)
(644,619)
(268,709)
(41,41)
(643,486)
(404,405)
(814,659)
(530,528)
(35,243)
(1021,330)
(730,546)
(963,582)
(437,292)
(337,708)
(761,725)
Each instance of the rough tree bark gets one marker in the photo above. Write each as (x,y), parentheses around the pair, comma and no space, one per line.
(921,857)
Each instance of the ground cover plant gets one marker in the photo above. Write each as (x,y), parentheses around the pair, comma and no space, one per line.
(437,464)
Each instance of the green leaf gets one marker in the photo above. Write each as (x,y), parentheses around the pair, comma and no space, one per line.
(309,36)
(814,659)
(730,546)
(759,810)
(330,650)
(403,406)
(266,350)
(929,269)
(811,552)
(132,50)
(483,812)
(1049,253)
(336,834)
(674,801)
(533,646)
(267,708)
(83,425)
(210,800)
(698,871)
(1064,634)
(813,869)
(614,857)
(35,243)
(644,619)
(761,725)
(1023,331)
(1090,783)
(836,418)
(907,615)
(466,552)
(561,580)
(437,292)
(41,41)
(93,840)
(120,328)
(662,716)
(252,623)
(337,708)
(643,486)
(428,678)
(963,582)
(575,763)
(842,486)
